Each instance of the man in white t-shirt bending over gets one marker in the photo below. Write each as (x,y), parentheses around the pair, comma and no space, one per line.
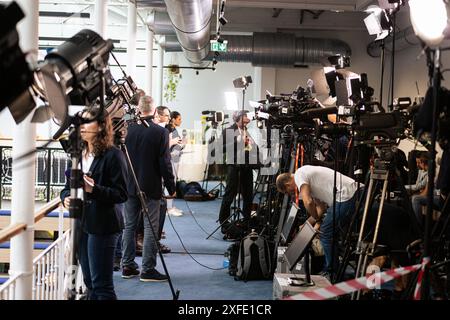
(316,184)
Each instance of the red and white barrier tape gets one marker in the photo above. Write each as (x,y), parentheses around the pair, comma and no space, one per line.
(350,286)
(417,291)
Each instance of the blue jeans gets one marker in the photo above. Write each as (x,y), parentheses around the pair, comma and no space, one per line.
(150,249)
(344,211)
(162,217)
(118,251)
(419,201)
(96,258)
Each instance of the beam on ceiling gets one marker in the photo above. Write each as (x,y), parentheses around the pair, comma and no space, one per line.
(61,14)
(290,5)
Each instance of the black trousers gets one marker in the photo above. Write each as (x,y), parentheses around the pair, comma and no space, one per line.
(239,178)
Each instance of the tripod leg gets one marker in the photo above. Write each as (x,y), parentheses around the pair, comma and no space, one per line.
(361,249)
(144,208)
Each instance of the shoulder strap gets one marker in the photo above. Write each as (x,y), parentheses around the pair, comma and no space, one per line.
(263,257)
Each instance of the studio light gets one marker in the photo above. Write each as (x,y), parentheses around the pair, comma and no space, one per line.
(71,74)
(15,74)
(242,82)
(429,20)
(377,22)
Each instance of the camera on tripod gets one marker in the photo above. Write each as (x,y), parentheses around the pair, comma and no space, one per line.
(286,109)
(215,117)
(119,107)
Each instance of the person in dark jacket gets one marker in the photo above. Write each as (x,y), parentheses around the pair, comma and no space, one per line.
(104,178)
(242,155)
(148,148)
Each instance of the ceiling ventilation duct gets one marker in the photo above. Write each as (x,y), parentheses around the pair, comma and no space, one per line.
(260,49)
(281,49)
(191,20)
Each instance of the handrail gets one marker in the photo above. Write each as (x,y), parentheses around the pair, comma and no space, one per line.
(14,229)
(50,247)
(49,207)
(11,231)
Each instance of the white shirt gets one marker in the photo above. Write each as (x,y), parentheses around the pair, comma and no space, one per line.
(321,183)
(86,165)
(86,162)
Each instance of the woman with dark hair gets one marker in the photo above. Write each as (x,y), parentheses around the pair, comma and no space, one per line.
(105,171)
(176,148)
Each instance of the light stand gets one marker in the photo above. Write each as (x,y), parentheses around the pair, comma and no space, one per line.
(436,82)
(333,240)
(382,46)
(391,102)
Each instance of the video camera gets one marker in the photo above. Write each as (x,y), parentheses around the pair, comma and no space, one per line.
(120,108)
(215,117)
(286,109)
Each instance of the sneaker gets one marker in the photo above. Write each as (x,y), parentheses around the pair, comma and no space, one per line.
(153,276)
(128,273)
(164,248)
(174,212)
(179,210)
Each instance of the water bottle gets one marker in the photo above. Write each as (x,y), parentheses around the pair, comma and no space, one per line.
(226,260)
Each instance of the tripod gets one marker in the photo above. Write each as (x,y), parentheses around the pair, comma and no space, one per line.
(237,211)
(220,185)
(382,171)
(144,209)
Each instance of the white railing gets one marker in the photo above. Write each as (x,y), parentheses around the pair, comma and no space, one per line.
(48,267)
(48,271)
(8,289)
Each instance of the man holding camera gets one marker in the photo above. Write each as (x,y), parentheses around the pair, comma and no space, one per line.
(237,147)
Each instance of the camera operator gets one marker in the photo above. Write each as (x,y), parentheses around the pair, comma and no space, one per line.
(104,177)
(315,184)
(237,142)
(148,148)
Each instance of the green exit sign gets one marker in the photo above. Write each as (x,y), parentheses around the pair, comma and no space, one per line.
(219,47)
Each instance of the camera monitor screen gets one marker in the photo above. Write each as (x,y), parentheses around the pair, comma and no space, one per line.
(299,245)
(287,227)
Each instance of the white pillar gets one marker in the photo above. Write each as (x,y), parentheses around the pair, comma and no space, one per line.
(23,172)
(131,41)
(100,16)
(160,75)
(149,63)
(257,80)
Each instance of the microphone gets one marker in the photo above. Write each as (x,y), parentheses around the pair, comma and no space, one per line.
(318,112)
(207,112)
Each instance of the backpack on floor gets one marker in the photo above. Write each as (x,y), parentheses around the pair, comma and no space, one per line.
(254,262)
(193,191)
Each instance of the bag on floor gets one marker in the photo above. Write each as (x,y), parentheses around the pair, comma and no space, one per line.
(233,256)
(254,262)
(193,191)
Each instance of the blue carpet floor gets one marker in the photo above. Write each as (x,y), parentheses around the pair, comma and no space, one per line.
(194,281)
